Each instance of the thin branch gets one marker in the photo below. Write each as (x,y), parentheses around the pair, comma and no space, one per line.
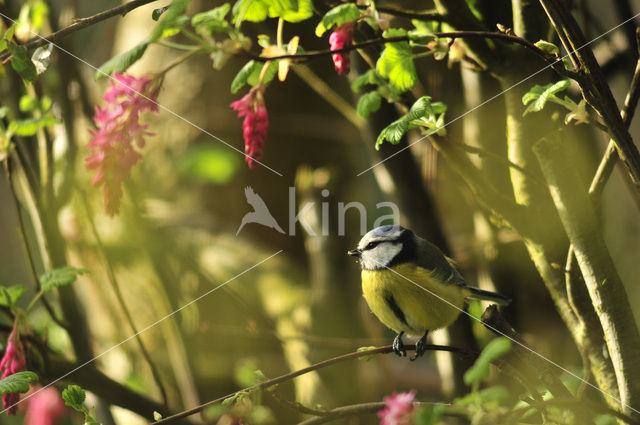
(80,23)
(116,289)
(289,376)
(373,407)
(594,87)
(611,155)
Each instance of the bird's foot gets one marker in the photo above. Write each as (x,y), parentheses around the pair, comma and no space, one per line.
(398,346)
(420,347)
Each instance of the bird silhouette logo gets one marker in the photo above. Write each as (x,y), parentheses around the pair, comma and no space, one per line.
(260,213)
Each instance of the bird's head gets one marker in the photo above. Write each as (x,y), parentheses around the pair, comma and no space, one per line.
(385,246)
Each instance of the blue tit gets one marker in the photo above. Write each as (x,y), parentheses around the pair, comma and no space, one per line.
(411,286)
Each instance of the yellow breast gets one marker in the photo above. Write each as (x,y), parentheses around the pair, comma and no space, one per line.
(411,299)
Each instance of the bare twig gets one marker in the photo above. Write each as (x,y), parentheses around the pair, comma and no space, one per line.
(80,23)
(289,376)
(373,407)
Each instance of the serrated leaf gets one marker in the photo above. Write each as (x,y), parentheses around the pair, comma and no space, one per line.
(396,63)
(17,383)
(368,104)
(538,96)
(422,109)
(479,372)
(243,75)
(41,58)
(250,10)
(212,20)
(11,294)
(302,13)
(369,77)
(123,61)
(74,397)
(21,63)
(60,277)
(337,16)
(170,20)
(548,47)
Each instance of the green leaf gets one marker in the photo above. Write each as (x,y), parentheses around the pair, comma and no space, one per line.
(479,372)
(17,383)
(171,20)
(74,397)
(538,96)
(250,74)
(11,294)
(21,63)
(123,61)
(231,400)
(28,103)
(29,127)
(157,13)
(369,77)
(212,20)
(302,13)
(337,16)
(396,63)
(60,277)
(548,47)
(422,113)
(250,10)
(368,104)
(41,58)
(243,75)
(429,415)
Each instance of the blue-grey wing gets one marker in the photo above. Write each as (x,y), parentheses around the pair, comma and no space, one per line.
(431,258)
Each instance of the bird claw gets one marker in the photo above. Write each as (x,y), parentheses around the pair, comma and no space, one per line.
(398,346)
(420,347)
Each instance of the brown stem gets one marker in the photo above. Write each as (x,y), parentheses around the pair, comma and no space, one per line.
(287,377)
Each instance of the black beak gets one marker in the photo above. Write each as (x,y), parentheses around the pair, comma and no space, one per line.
(355,253)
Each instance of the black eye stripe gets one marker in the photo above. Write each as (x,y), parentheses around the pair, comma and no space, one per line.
(371,245)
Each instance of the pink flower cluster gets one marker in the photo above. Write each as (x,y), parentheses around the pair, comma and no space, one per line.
(45,407)
(119,132)
(255,124)
(12,362)
(399,409)
(341,37)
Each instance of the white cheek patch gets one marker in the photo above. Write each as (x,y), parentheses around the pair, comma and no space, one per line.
(380,256)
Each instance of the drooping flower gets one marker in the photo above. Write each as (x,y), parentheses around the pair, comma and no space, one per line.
(12,362)
(341,37)
(44,407)
(399,409)
(114,144)
(255,124)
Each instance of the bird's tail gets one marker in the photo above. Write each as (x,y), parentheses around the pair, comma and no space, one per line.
(481,294)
